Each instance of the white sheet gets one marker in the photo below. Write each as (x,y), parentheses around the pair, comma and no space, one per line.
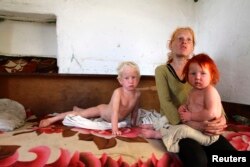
(96,124)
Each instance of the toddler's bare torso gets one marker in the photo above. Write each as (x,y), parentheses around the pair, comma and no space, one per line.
(126,106)
(197,103)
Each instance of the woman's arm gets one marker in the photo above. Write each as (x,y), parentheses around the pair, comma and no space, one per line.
(166,103)
(213,127)
(216,126)
(200,126)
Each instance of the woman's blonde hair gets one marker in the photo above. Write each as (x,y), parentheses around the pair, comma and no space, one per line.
(131,64)
(173,37)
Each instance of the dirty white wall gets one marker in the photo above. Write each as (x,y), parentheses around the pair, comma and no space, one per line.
(112,31)
(94,36)
(223,32)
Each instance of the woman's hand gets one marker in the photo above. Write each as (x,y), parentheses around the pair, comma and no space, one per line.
(216,126)
(213,127)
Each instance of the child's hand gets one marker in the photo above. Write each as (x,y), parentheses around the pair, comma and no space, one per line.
(185,116)
(116,132)
(44,123)
(182,109)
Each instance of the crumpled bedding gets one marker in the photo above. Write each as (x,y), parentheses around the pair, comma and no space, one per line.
(12,115)
(96,124)
(144,117)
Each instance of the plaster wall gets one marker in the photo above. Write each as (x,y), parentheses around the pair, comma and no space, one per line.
(223,32)
(94,36)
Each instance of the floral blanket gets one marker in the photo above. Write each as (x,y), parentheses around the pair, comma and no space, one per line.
(238,135)
(59,145)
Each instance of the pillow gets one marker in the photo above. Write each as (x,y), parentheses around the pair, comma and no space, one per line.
(12,115)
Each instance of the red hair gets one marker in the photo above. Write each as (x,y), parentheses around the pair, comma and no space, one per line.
(204,61)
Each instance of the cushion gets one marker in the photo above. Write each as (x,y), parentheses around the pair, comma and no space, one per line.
(12,115)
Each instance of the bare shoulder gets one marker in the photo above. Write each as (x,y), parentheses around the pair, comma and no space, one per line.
(212,89)
(117,91)
(212,92)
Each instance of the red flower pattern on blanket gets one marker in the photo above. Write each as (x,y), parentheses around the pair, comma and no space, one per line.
(239,136)
(80,159)
(240,140)
(102,138)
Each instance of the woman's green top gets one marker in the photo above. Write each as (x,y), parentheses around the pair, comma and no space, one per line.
(172,92)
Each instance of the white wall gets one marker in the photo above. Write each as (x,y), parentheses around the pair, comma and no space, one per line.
(94,36)
(223,32)
(112,31)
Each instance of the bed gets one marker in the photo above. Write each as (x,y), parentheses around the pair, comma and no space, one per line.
(62,146)
(43,94)
(59,145)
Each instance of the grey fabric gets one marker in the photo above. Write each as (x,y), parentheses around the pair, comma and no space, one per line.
(12,115)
